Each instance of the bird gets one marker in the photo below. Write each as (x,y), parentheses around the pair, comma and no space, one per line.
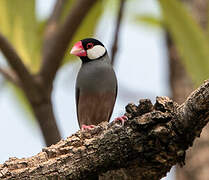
(96,84)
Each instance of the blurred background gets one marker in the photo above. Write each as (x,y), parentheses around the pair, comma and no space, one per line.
(162,50)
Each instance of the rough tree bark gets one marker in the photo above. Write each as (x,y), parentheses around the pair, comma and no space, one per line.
(198,157)
(152,140)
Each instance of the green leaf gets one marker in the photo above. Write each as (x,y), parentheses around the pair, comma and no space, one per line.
(191,42)
(18,23)
(149,20)
(207,27)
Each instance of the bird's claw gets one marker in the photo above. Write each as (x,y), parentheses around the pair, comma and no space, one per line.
(122,119)
(85,127)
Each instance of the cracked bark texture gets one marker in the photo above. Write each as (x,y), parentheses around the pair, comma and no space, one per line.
(198,157)
(152,140)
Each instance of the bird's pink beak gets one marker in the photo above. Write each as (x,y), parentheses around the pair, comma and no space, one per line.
(78,49)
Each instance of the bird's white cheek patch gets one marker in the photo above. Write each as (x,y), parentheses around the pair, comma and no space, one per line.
(95,52)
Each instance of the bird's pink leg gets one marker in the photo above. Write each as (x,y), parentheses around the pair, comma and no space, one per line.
(85,127)
(122,119)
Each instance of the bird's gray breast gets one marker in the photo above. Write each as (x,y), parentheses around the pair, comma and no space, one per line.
(96,76)
(96,90)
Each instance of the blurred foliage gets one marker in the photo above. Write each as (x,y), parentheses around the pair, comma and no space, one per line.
(150,20)
(191,42)
(18,22)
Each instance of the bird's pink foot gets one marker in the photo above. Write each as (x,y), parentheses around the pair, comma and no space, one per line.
(122,119)
(85,127)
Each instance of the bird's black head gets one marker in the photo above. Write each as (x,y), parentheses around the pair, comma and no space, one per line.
(89,49)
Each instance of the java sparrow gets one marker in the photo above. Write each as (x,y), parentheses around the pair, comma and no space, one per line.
(96,84)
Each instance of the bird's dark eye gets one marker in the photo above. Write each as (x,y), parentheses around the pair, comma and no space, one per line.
(89,45)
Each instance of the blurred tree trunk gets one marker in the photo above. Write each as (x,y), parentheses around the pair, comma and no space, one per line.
(197,160)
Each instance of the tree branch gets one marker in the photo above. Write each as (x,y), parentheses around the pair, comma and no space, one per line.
(117,31)
(16,63)
(38,97)
(55,52)
(153,139)
(10,75)
(14,60)
(52,23)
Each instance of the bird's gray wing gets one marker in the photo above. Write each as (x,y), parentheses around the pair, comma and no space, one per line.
(77,93)
(116,92)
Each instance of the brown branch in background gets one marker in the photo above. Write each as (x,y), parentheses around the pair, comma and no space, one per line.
(19,68)
(58,46)
(52,24)
(36,94)
(117,31)
(151,141)
(46,120)
(14,60)
(10,75)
